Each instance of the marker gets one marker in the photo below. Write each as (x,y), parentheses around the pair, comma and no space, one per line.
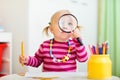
(100,48)
(22,50)
(94,50)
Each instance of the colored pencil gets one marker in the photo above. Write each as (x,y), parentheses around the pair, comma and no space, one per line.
(22,50)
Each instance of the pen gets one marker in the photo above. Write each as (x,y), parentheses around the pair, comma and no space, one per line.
(22,50)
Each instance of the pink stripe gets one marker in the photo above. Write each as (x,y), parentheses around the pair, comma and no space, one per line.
(31,61)
(59,70)
(60,47)
(50,60)
(56,55)
(85,54)
(58,66)
(71,42)
(81,49)
(36,63)
(72,57)
(83,59)
(82,53)
(38,55)
(41,48)
(70,63)
(56,44)
(56,50)
(47,41)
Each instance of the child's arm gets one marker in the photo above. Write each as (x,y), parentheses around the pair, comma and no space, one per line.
(37,59)
(81,52)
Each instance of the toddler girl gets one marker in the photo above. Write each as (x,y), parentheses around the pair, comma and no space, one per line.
(60,53)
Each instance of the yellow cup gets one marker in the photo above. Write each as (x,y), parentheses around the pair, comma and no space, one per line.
(99,67)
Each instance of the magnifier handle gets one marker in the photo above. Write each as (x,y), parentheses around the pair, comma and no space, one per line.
(79,40)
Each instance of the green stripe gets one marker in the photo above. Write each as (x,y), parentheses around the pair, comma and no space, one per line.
(99,14)
(105,25)
(100,31)
(115,38)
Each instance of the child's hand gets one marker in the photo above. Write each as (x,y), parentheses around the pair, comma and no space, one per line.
(23,59)
(76,33)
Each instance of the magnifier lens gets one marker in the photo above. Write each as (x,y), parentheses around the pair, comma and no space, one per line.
(67,23)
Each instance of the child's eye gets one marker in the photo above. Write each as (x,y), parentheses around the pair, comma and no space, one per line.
(70,24)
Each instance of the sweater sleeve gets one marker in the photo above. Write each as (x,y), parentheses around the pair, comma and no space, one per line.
(81,52)
(37,59)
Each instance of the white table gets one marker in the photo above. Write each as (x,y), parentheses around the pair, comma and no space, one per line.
(66,77)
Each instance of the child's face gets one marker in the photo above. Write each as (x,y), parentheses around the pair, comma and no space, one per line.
(54,27)
(60,35)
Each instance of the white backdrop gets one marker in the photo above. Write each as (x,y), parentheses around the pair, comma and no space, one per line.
(40,12)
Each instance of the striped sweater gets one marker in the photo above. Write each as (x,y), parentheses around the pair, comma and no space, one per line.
(59,50)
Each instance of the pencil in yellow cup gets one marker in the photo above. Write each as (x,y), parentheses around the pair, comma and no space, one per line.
(22,50)
(104,46)
(97,50)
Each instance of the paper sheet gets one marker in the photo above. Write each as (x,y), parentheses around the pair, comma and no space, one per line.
(55,74)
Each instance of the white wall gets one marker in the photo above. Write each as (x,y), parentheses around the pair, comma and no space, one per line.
(14,18)
(41,11)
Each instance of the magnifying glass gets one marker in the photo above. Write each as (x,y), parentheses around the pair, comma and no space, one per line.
(67,23)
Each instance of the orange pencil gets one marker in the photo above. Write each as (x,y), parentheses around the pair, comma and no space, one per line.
(104,46)
(97,50)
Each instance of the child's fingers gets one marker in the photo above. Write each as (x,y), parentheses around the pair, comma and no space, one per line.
(26,59)
(75,33)
(22,59)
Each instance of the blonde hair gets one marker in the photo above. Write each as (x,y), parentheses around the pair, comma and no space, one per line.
(54,19)
(46,30)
